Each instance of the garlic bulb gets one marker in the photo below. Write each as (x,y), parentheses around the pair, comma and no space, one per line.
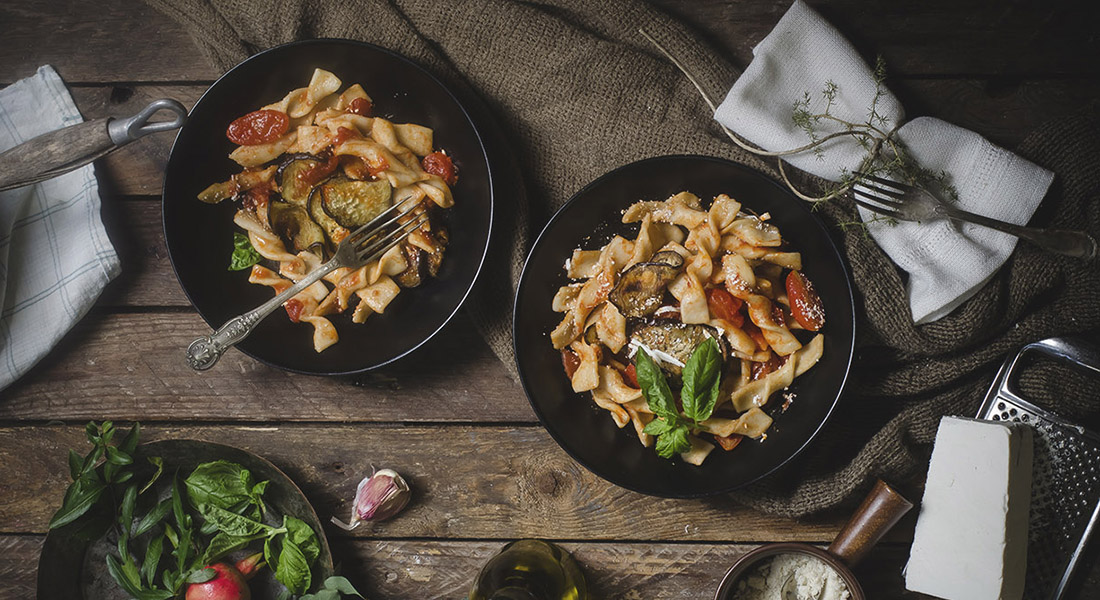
(378,497)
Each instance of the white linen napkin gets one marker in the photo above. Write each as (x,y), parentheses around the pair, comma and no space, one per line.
(55,257)
(947,263)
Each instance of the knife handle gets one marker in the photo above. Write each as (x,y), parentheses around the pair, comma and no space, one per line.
(58,152)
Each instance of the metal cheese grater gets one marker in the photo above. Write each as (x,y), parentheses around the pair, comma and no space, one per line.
(1065,493)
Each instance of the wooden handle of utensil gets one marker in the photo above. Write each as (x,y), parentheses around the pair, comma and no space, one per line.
(53,153)
(880,511)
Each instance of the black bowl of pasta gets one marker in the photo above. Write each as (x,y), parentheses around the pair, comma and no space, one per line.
(668,255)
(291,150)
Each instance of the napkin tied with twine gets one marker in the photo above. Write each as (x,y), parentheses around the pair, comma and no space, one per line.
(55,257)
(947,262)
(578,91)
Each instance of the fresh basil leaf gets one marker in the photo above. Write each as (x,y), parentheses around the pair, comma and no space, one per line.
(114,567)
(168,578)
(233,524)
(324,594)
(118,457)
(244,255)
(126,512)
(171,535)
(654,387)
(220,483)
(183,520)
(154,516)
(258,495)
(106,432)
(658,426)
(76,465)
(674,442)
(208,528)
(157,462)
(131,571)
(270,553)
(152,559)
(130,442)
(222,544)
(299,532)
(92,431)
(342,585)
(701,375)
(201,575)
(79,498)
(293,569)
(92,458)
(154,594)
(124,477)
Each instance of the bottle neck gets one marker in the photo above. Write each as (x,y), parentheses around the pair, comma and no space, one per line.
(512,593)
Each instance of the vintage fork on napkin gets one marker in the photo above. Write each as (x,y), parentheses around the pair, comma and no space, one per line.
(910,203)
(366,244)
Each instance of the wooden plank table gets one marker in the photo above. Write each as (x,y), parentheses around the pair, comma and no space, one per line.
(482,468)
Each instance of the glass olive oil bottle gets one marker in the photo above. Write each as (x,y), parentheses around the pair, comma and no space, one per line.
(530,570)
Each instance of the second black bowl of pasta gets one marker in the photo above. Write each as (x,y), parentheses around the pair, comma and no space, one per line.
(684,326)
(290,151)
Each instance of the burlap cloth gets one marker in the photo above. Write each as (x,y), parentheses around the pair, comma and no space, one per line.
(579,92)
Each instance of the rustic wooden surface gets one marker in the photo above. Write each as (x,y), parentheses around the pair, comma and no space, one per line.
(482,468)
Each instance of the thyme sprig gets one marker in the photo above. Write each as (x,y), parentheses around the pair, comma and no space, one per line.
(885,155)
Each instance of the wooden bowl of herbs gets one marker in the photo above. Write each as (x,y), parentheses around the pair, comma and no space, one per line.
(188,504)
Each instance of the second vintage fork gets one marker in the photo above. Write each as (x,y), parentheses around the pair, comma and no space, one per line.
(909,203)
(362,246)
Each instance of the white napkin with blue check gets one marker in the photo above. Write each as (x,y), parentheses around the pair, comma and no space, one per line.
(55,257)
(947,262)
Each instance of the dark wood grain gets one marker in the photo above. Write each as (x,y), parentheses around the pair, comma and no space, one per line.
(131,366)
(398,569)
(472,482)
(147,279)
(936,37)
(109,40)
(483,471)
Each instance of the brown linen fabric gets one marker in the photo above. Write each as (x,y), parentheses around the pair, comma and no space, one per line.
(579,92)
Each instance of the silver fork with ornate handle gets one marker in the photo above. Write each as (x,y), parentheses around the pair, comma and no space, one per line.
(908,203)
(362,246)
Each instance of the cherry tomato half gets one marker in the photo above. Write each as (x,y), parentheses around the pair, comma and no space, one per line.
(294,309)
(760,369)
(723,305)
(361,107)
(757,336)
(258,127)
(630,376)
(440,164)
(319,170)
(806,307)
(729,442)
(570,361)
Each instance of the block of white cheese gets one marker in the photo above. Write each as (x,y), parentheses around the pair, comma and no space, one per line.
(971,536)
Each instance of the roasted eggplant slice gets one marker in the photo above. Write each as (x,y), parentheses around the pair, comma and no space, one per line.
(333,230)
(353,203)
(413,275)
(642,288)
(676,340)
(668,257)
(299,174)
(292,223)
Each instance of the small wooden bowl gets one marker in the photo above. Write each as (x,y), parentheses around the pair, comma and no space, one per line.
(746,563)
(879,512)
